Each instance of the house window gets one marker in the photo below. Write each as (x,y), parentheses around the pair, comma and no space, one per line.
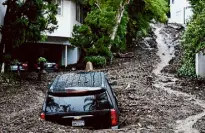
(172,1)
(79,13)
(60,6)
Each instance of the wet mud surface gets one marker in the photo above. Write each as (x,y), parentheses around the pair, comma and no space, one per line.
(149,102)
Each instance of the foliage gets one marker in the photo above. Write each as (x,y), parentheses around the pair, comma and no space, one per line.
(41,59)
(94,35)
(10,78)
(119,43)
(187,69)
(96,60)
(193,39)
(142,12)
(15,61)
(27,20)
(7,58)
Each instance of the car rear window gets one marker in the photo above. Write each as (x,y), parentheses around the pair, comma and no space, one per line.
(81,103)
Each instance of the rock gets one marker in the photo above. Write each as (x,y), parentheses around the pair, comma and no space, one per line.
(149,79)
(89,66)
(183,84)
(113,83)
(73,68)
(44,72)
(166,80)
(113,77)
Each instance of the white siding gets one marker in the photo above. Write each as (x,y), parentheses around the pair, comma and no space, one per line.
(2,14)
(67,20)
(199,64)
(73,56)
(180,11)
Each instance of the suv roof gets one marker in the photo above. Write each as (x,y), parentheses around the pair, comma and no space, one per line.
(80,79)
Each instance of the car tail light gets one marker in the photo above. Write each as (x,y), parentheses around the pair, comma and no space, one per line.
(43,116)
(114,119)
(24,65)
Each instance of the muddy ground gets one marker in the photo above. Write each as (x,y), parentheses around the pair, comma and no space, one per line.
(147,101)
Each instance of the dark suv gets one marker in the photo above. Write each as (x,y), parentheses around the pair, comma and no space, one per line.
(83,99)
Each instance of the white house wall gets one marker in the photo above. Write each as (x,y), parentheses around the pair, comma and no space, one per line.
(180,11)
(188,13)
(199,64)
(2,14)
(73,55)
(67,20)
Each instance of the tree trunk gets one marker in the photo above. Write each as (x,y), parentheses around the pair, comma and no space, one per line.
(119,18)
(3,63)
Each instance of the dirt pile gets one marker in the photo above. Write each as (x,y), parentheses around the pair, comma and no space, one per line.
(144,108)
(192,89)
(175,31)
(20,107)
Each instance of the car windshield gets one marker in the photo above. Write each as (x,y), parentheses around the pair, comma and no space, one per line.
(79,103)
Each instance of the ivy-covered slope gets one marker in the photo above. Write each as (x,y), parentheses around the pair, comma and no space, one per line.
(193,39)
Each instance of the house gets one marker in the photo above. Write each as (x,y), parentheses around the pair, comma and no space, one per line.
(180,11)
(69,14)
(2,14)
(57,47)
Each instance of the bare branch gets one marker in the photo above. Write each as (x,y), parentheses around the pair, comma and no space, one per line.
(98,6)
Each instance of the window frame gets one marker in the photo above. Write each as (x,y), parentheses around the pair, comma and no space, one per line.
(80,16)
(59,6)
(173,1)
(78,12)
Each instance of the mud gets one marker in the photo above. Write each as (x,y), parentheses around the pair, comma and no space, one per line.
(147,100)
(189,88)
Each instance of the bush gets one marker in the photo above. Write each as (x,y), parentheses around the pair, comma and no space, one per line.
(187,70)
(193,39)
(96,60)
(41,59)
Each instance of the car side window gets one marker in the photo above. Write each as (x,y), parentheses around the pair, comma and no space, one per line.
(109,89)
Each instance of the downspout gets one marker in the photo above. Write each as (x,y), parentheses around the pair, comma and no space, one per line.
(184,15)
(66,56)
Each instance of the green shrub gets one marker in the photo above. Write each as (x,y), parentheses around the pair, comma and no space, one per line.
(41,59)
(15,61)
(187,70)
(193,39)
(96,60)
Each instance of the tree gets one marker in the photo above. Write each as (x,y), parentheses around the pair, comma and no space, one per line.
(141,13)
(25,20)
(109,22)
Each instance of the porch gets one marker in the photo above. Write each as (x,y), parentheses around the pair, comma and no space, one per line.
(54,49)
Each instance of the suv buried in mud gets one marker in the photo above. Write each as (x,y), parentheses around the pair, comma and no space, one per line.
(83,99)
